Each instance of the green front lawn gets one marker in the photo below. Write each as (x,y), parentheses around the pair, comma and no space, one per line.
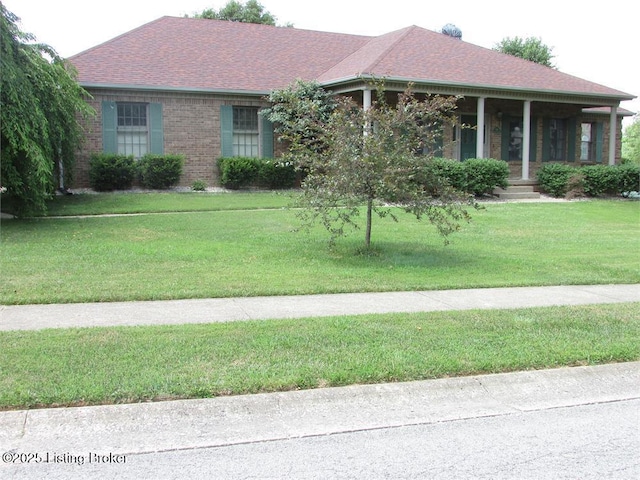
(131,364)
(225,252)
(246,244)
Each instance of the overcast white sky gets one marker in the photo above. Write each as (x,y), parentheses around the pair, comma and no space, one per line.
(591,41)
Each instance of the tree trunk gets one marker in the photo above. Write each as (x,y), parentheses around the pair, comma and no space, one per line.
(367,236)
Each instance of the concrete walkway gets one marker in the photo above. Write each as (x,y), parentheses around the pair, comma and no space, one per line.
(34,317)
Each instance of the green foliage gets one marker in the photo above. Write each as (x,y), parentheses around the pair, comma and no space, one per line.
(628,178)
(530,48)
(300,113)
(367,158)
(41,105)
(631,142)
(483,175)
(199,186)
(475,176)
(108,171)
(240,172)
(237,172)
(452,171)
(160,171)
(554,178)
(600,179)
(251,12)
(592,180)
(276,174)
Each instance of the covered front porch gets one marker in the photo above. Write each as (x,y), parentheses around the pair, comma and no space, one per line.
(526,130)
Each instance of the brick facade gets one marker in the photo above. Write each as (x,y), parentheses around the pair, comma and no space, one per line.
(191,126)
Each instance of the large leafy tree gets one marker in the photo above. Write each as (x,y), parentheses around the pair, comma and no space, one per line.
(39,106)
(370,161)
(530,48)
(250,12)
(631,141)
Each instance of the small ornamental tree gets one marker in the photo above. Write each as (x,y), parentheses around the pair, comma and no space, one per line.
(374,159)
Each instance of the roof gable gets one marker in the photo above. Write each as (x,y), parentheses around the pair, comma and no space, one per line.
(205,54)
(422,55)
(199,54)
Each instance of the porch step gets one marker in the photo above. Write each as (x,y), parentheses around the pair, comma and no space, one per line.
(518,190)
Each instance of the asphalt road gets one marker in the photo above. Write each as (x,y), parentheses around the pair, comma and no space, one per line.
(597,441)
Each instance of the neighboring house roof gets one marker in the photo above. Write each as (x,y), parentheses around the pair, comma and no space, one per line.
(210,55)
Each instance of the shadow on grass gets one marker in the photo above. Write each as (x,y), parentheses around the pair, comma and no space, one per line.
(400,254)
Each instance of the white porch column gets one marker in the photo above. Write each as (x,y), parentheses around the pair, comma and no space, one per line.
(480,129)
(526,138)
(366,105)
(613,131)
(366,99)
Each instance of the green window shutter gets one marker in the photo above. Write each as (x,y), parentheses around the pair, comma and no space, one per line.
(109,127)
(267,138)
(156,128)
(533,139)
(506,137)
(546,139)
(599,139)
(571,139)
(226,130)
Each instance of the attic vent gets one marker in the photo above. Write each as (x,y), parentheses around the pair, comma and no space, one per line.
(451,30)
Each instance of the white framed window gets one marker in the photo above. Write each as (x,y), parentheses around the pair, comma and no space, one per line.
(133,129)
(246,132)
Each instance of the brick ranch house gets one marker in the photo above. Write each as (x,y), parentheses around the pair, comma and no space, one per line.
(194,87)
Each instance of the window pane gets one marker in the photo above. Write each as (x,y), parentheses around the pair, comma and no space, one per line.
(133,134)
(132,142)
(245,132)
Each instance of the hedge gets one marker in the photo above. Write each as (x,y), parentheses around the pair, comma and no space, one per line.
(593,180)
(242,172)
(111,171)
(160,171)
(483,175)
(476,176)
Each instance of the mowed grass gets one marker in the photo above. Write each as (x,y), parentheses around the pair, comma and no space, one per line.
(131,364)
(251,252)
(154,202)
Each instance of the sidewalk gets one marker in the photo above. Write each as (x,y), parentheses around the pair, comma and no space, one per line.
(34,317)
(134,429)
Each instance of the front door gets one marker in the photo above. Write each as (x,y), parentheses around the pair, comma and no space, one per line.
(468,136)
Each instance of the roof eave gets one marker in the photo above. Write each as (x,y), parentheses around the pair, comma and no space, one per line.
(492,91)
(155,88)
